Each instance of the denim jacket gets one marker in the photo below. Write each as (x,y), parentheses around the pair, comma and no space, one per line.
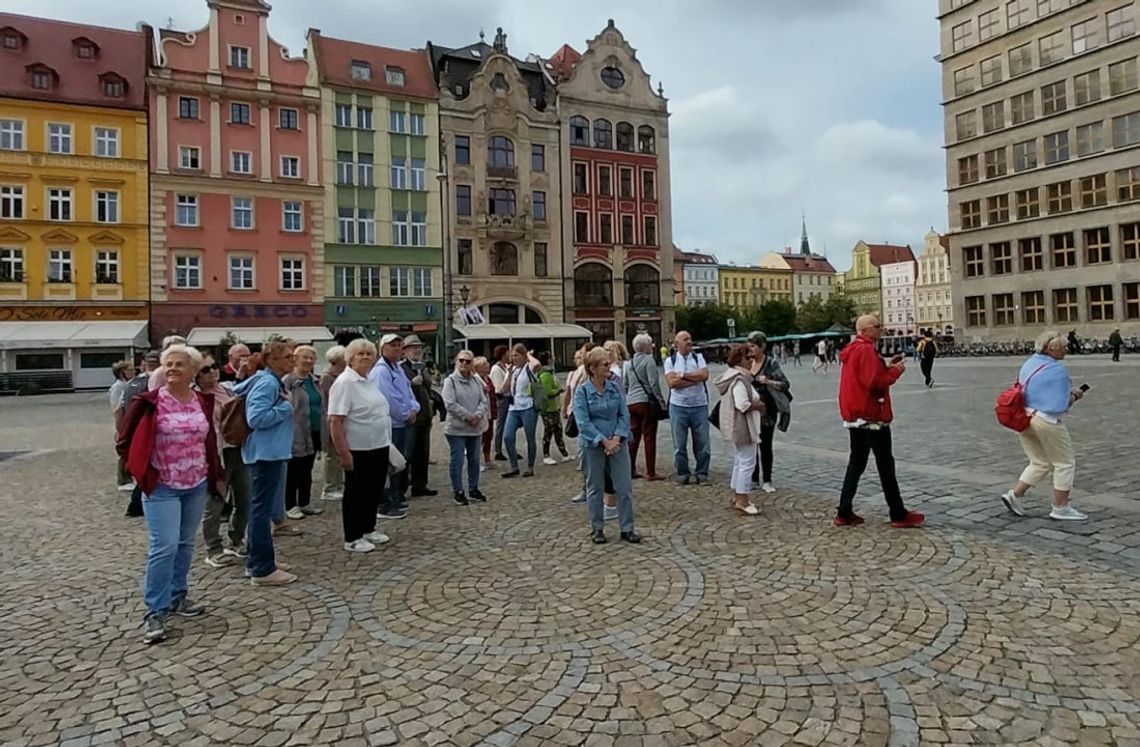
(270,417)
(600,415)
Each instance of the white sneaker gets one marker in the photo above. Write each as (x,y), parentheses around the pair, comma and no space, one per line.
(484,467)
(127,487)
(295,513)
(377,538)
(1013,503)
(334,495)
(611,513)
(568,458)
(550,461)
(1067,513)
(581,496)
(360,545)
(768,487)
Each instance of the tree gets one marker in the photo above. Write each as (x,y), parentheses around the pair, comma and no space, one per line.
(705,321)
(775,318)
(813,316)
(840,310)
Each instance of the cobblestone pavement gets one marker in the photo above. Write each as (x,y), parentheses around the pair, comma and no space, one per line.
(501,624)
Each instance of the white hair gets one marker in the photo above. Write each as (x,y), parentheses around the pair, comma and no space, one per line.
(335,354)
(191,354)
(1046,339)
(357,346)
(305,349)
(171,340)
(643,343)
(467,352)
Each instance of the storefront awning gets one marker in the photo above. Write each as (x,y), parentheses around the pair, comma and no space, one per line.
(62,335)
(211,336)
(523,331)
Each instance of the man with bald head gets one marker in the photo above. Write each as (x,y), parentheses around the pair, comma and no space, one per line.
(865,405)
(687,374)
(237,364)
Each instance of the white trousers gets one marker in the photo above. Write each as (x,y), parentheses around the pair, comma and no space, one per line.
(743,462)
(1049,449)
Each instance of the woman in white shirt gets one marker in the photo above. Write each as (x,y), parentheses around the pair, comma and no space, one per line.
(361,432)
(522,413)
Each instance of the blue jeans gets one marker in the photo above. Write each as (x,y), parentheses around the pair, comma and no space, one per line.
(172,520)
(267,480)
(595,465)
(528,421)
(695,420)
(462,446)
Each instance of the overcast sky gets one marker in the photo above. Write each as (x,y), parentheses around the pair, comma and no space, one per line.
(829,106)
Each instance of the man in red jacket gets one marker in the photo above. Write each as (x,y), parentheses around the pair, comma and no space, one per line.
(865,406)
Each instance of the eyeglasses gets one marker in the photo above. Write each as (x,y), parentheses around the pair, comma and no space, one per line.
(465,360)
(207,369)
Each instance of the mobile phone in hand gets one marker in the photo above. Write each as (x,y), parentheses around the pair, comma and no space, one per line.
(897,359)
(1084,387)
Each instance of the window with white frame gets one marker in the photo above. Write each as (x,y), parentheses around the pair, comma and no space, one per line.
(292,214)
(290,167)
(187,271)
(346,226)
(989,25)
(344,115)
(366,226)
(364,117)
(11,265)
(11,202)
(1122,76)
(419,229)
(1085,36)
(241,162)
(59,266)
(186,210)
(242,212)
(344,168)
(11,134)
(964,81)
(365,170)
(1090,138)
(962,36)
(106,142)
(344,281)
(239,58)
(1126,130)
(1121,23)
(241,272)
(417,124)
(292,273)
(59,138)
(399,172)
(409,282)
(107,267)
(370,281)
(189,157)
(1020,59)
(106,206)
(360,70)
(394,76)
(401,228)
(397,121)
(991,70)
(419,174)
(59,203)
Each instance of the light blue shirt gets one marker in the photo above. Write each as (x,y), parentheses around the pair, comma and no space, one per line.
(396,387)
(690,396)
(600,415)
(270,418)
(1048,390)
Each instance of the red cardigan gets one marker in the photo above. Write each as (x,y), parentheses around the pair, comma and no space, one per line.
(135,442)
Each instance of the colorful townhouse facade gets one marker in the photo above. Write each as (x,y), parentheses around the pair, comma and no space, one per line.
(73,197)
(863,282)
(237,207)
(380,169)
(934,286)
(745,287)
(701,279)
(900,315)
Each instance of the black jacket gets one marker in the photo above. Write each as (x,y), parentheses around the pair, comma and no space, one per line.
(421,391)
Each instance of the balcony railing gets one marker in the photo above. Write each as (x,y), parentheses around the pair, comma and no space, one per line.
(503,172)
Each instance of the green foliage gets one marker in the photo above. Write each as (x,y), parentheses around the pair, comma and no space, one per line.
(774,318)
(704,321)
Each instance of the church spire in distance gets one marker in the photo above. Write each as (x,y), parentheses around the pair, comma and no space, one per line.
(805,247)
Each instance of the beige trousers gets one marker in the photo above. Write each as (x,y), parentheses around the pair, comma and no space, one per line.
(1049,449)
(334,473)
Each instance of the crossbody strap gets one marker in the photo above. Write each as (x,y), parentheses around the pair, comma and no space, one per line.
(1035,372)
(648,391)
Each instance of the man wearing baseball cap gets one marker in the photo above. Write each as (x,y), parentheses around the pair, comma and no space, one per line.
(394,384)
(419,434)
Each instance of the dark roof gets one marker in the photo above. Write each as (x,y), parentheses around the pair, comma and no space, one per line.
(454,68)
(336,56)
(49,44)
(809,263)
(697,258)
(889,254)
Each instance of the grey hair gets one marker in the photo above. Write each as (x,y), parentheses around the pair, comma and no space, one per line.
(305,348)
(643,343)
(358,345)
(191,354)
(335,354)
(1045,340)
(170,340)
(758,338)
(468,352)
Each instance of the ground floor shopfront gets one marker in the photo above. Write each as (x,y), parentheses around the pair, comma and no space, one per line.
(214,327)
(349,318)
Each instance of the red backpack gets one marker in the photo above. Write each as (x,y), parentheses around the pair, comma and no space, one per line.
(1010,405)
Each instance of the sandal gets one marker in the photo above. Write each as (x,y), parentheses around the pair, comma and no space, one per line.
(747,509)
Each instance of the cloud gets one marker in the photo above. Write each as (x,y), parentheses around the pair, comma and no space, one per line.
(724,123)
(869,144)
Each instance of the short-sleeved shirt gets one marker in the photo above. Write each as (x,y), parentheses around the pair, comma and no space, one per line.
(691,396)
(499,376)
(116,394)
(367,422)
(520,388)
(180,442)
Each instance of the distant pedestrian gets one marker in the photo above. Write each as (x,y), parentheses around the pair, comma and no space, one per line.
(482,368)
(1116,342)
(1074,343)
(687,374)
(865,406)
(642,384)
(308,433)
(237,366)
(501,379)
(552,411)
(123,372)
(136,387)
(468,411)
(820,357)
(334,475)
(221,554)
(796,352)
(927,351)
(740,407)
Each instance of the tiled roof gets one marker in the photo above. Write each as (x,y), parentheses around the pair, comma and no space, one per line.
(49,44)
(563,61)
(698,258)
(336,56)
(889,254)
(812,263)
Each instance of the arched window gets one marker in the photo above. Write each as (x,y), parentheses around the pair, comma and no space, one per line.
(504,259)
(603,134)
(512,313)
(500,152)
(625,137)
(593,286)
(642,286)
(646,140)
(579,130)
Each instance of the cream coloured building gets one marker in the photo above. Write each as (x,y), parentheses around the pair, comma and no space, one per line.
(1042,122)
(933,298)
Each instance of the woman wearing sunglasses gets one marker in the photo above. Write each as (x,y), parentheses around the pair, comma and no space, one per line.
(465,398)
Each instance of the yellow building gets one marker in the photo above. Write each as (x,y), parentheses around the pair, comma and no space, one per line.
(863,282)
(73,197)
(747,286)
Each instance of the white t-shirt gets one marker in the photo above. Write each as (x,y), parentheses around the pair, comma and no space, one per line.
(367,423)
(690,396)
(821,347)
(520,388)
(499,376)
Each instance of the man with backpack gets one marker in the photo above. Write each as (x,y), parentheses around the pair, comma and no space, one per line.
(927,352)
(687,374)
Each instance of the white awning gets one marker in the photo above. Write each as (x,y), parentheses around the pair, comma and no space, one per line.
(62,335)
(210,336)
(523,331)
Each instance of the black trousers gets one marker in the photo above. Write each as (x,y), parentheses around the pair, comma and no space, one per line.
(1116,353)
(363,486)
(421,455)
(863,442)
(767,433)
(299,477)
(927,367)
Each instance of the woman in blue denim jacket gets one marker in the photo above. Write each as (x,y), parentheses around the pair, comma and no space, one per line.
(603,439)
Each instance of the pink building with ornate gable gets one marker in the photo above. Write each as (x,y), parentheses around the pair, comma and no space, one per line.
(236,204)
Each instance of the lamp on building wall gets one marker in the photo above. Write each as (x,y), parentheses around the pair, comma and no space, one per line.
(464,294)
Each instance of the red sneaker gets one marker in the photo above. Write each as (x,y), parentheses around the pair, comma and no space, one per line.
(850,521)
(913,519)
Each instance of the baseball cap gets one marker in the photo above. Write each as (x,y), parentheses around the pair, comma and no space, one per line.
(389,338)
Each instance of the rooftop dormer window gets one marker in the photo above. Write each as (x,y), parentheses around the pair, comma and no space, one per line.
(84,48)
(114,85)
(394,76)
(361,70)
(42,77)
(11,38)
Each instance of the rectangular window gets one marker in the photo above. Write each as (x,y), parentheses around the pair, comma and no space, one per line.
(1130,240)
(582,228)
(1004,313)
(11,134)
(991,71)
(501,202)
(1126,130)
(970,212)
(538,205)
(966,124)
(1086,87)
(421,281)
(605,229)
(370,281)
(397,121)
(1001,258)
(1090,138)
(975,311)
(106,206)
(974,261)
(581,179)
(292,274)
(625,183)
(1064,250)
(997,209)
(1021,107)
(1032,258)
(401,228)
(1122,76)
(463,199)
(11,202)
(189,157)
(964,81)
(239,113)
(242,208)
(995,163)
(605,185)
(993,116)
(962,36)
(187,107)
(1131,300)
(239,58)
(241,162)
(1025,155)
(59,266)
(365,226)
(537,158)
(1057,147)
(627,235)
(466,255)
(1101,307)
(1053,98)
(345,168)
(989,25)
(293,216)
(365,170)
(59,203)
(241,273)
(344,115)
(648,185)
(346,225)
(59,138)
(290,167)
(106,142)
(462,150)
(1098,246)
(1017,12)
(1028,203)
(1065,305)
(419,175)
(287,119)
(419,228)
(1120,23)
(186,210)
(344,281)
(1060,196)
(968,170)
(1094,191)
(1020,59)
(11,265)
(409,281)
(540,266)
(1033,307)
(649,231)
(1085,36)
(399,172)
(1128,184)
(187,271)
(1051,48)
(363,117)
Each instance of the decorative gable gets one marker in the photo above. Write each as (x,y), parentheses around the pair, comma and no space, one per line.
(59,236)
(106,237)
(13,235)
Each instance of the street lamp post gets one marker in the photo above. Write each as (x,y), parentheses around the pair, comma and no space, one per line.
(445,202)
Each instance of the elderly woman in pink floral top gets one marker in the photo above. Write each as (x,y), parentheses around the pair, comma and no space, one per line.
(170,445)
